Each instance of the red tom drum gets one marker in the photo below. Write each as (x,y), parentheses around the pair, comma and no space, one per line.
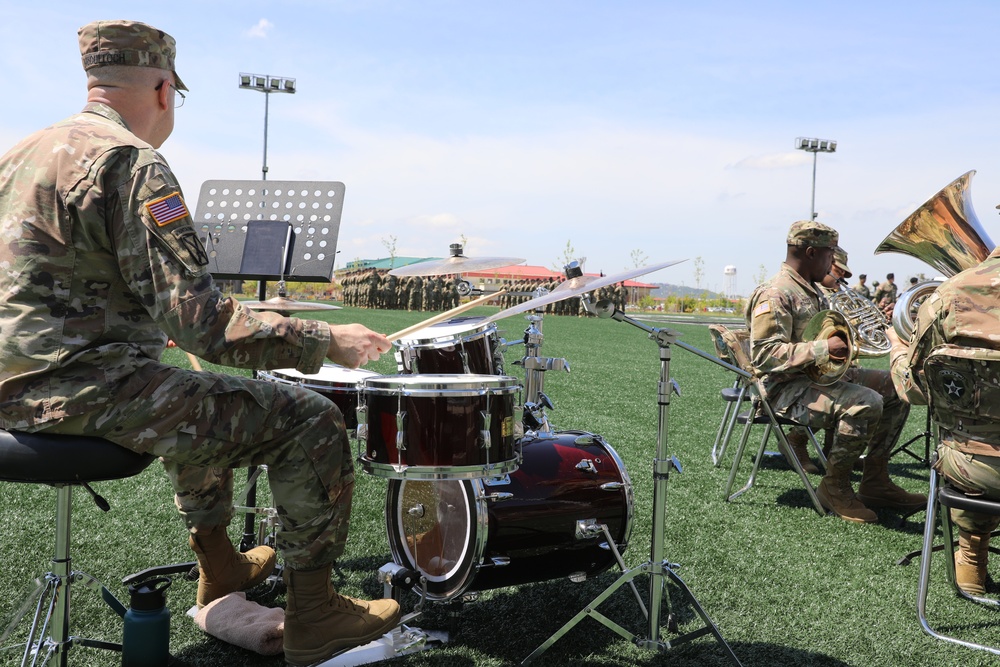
(459,345)
(437,426)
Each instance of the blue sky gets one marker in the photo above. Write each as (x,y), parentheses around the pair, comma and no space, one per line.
(663,130)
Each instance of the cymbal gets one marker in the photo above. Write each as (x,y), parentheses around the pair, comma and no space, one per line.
(574,283)
(282,304)
(581,288)
(455,263)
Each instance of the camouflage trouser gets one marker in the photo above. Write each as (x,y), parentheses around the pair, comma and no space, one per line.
(974,475)
(203,425)
(863,408)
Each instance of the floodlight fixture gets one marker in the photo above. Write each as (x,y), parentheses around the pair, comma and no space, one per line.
(815,146)
(267,84)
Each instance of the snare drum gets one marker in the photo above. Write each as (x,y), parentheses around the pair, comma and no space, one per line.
(536,524)
(437,426)
(460,345)
(339,384)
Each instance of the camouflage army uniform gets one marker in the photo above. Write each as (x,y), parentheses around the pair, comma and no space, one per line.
(101,264)
(962,311)
(863,290)
(886,291)
(863,406)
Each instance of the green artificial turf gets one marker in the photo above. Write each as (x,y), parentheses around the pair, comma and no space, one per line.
(784,585)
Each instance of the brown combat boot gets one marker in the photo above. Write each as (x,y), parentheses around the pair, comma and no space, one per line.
(970,562)
(877,490)
(798,441)
(319,622)
(836,494)
(223,569)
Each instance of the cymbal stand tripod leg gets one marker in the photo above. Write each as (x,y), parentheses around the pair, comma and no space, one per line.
(657,568)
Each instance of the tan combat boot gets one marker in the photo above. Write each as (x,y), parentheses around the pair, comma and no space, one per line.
(798,440)
(970,562)
(877,490)
(836,494)
(319,622)
(223,569)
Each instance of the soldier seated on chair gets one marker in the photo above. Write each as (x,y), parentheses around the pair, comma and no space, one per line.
(862,405)
(963,311)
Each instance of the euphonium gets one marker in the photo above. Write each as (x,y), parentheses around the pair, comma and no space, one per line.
(945,233)
(865,319)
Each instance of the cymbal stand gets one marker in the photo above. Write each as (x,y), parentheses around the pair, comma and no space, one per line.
(535,365)
(656,567)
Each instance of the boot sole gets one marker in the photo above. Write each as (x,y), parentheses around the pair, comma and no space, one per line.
(336,646)
(852,519)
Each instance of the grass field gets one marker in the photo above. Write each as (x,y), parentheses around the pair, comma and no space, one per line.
(784,585)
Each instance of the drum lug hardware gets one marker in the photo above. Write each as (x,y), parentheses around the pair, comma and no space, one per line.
(501,480)
(416,511)
(612,486)
(401,430)
(587,529)
(584,439)
(577,577)
(485,432)
(586,465)
(499,497)
(362,431)
(498,561)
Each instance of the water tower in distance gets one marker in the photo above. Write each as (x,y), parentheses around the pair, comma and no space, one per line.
(730,282)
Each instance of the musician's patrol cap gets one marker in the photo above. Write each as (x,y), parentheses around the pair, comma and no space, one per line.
(840,261)
(812,233)
(128,43)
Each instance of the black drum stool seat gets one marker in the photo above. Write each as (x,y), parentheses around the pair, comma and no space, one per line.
(63,461)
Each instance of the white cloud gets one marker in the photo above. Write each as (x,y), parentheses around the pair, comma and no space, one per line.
(772,161)
(260,30)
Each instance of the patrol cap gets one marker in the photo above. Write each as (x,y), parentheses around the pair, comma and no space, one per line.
(128,43)
(813,234)
(862,276)
(840,260)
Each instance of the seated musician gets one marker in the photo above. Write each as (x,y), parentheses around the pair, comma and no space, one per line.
(963,311)
(102,265)
(862,406)
(797,436)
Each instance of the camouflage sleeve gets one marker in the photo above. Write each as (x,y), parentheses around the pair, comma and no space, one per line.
(906,364)
(771,318)
(165,265)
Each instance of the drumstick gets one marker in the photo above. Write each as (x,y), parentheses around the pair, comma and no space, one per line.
(195,364)
(445,315)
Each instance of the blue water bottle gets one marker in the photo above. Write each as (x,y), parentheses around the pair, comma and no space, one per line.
(146,642)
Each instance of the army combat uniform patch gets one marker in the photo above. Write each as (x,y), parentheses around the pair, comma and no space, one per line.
(167,209)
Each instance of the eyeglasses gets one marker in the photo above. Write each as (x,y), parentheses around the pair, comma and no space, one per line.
(178,98)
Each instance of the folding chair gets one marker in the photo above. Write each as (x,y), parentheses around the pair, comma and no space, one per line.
(963,396)
(733,397)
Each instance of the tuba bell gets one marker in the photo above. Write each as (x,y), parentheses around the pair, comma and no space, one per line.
(944,233)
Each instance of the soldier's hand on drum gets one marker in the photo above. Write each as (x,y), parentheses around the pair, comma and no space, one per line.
(354,345)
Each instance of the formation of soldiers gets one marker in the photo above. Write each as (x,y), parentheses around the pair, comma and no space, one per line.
(523,290)
(377,289)
(373,288)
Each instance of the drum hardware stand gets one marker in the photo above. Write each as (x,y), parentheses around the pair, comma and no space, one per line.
(926,436)
(535,365)
(656,567)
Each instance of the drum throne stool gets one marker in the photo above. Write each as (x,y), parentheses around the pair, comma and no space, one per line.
(63,462)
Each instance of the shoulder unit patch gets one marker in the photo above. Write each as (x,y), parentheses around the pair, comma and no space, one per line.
(167,209)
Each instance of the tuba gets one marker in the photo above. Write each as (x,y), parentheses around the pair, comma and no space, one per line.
(945,233)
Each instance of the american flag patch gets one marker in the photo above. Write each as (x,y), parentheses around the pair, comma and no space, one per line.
(762,308)
(167,209)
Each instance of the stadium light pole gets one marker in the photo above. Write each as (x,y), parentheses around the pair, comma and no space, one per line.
(267,84)
(815,146)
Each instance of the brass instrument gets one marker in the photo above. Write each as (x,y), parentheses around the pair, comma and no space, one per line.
(822,325)
(866,320)
(945,233)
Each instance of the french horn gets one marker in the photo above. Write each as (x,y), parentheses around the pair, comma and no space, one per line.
(866,320)
(826,324)
(944,233)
